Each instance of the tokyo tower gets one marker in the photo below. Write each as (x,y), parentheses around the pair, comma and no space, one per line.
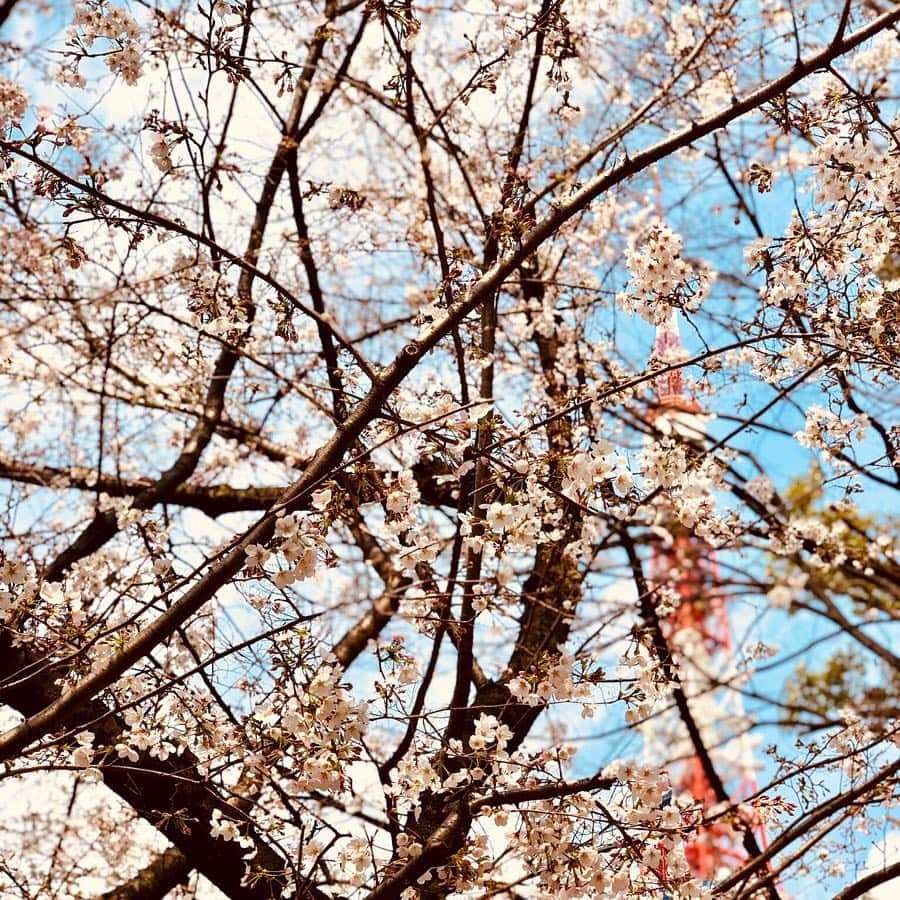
(683,570)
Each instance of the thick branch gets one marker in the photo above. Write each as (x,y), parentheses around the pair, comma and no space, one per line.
(170,794)
(872,880)
(164,872)
(664,655)
(804,823)
(212,499)
(6,8)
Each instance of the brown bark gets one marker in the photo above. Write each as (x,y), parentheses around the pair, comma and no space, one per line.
(165,871)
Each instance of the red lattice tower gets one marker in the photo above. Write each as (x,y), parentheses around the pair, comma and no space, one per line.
(687,567)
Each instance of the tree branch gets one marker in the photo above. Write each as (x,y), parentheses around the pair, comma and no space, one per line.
(163,873)
(872,880)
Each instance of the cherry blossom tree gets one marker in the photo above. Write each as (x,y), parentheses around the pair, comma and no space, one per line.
(340,488)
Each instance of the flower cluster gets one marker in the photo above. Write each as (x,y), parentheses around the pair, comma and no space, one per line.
(228,829)
(651,684)
(13,103)
(647,858)
(489,731)
(555,680)
(20,586)
(419,541)
(782,595)
(316,731)
(98,20)
(588,470)
(298,541)
(158,151)
(827,431)
(689,482)
(660,277)
(83,754)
